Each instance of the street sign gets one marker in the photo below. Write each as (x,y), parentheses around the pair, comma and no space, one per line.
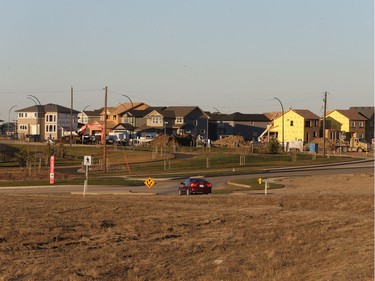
(149,182)
(87,160)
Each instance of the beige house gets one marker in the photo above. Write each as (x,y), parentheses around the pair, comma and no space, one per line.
(44,122)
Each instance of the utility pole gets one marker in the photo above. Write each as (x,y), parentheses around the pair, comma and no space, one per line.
(324,123)
(104,140)
(71,116)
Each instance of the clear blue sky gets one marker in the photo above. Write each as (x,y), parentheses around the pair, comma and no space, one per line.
(234,55)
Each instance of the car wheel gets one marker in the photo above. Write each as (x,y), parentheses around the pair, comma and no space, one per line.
(179,192)
(188,191)
(360,149)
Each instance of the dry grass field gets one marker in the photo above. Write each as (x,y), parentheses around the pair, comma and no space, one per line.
(313,229)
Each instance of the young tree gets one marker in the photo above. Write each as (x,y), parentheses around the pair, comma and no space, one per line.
(273,146)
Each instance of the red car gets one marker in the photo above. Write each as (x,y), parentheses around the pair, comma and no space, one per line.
(195,185)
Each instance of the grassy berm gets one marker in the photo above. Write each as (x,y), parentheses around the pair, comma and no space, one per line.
(323,232)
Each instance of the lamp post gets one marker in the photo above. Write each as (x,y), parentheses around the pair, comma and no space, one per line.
(9,117)
(38,106)
(134,118)
(165,127)
(282,121)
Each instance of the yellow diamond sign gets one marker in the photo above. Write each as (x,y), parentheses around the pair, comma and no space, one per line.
(149,182)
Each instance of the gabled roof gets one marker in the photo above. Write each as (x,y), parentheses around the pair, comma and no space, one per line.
(142,113)
(94,113)
(48,108)
(127,106)
(272,115)
(124,126)
(240,117)
(182,111)
(350,114)
(164,113)
(366,111)
(305,113)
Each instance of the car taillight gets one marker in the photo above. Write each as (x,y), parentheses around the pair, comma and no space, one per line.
(209,185)
(193,184)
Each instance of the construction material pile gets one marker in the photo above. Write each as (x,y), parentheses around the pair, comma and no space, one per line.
(231,141)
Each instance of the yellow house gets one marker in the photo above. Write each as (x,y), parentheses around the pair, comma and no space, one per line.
(297,125)
(349,122)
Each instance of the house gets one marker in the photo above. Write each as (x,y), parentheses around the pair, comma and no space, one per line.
(249,126)
(119,114)
(368,112)
(89,116)
(43,122)
(345,122)
(172,120)
(189,120)
(295,125)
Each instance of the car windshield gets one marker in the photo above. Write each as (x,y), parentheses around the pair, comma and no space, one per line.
(197,180)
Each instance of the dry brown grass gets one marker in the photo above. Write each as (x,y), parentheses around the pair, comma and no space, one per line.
(301,235)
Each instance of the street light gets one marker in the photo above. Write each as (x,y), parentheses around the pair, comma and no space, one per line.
(9,116)
(38,106)
(165,127)
(83,121)
(282,121)
(133,118)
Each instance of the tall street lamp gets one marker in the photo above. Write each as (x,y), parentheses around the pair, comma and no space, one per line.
(134,118)
(282,121)
(9,117)
(38,106)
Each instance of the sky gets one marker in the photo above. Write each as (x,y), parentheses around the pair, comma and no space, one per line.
(221,55)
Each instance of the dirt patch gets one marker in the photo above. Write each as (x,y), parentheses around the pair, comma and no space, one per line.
(314,229)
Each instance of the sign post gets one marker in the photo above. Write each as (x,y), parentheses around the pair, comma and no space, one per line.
(52,170)
(87,163)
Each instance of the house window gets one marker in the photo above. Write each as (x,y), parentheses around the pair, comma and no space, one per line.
(179,120)
(114,117)
(23,127)
(352,124)
(26,115)
(315,135)
(360,136)
(291,123)
(307,124)
(360,124)
(156,120)
(251,122)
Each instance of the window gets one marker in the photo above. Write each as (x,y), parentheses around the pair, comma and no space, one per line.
(23,127)
(114,117)
(352,124)
(315,135)
(156,120)
(291,123)
(307,124)
(20,114)
(360,136)
(360,124)
(179,120)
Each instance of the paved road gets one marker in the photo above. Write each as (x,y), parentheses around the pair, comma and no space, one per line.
(169,186)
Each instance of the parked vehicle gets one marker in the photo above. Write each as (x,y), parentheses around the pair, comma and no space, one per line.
(195,185)
(354,144)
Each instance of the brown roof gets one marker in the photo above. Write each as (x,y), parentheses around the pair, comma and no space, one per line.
(350,114)
(272,115)
(305,113)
